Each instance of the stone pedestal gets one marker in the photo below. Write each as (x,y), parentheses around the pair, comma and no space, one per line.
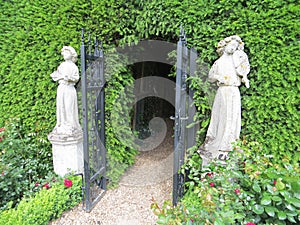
(67,152)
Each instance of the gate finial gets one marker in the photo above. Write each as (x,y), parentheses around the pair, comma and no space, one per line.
(182,35)
(82,35)
(181,30)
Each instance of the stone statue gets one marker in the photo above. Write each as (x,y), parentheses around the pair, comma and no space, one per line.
(229,71)
(67,75)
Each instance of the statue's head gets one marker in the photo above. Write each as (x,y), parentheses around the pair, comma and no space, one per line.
(234,40)
(72,52)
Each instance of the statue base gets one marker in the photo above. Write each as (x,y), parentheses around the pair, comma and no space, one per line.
(67,152)
(208,156)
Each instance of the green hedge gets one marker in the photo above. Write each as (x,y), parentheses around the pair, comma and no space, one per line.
(48,204)
(33,32)
(270,30)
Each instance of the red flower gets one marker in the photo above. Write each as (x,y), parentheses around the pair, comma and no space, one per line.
(68,183)
(211,184)
(36,184)
(46,185)
(210,175)
(250,223)
(192,220)
(274,182)
(237,191)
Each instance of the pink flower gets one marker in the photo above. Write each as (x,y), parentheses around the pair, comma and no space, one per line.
(275,182)
(46,185)
(237,191)
(36,184)
(211,184)
(1,129)
(68,183)
(250,223)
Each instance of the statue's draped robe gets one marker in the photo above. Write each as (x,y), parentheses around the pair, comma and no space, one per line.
(225,124)
(66,99)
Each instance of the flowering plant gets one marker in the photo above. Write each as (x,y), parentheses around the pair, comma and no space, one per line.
(68,183)
(249,189)
(1,136)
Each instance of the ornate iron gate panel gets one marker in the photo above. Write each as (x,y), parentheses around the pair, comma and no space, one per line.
(93,116)
(184,138)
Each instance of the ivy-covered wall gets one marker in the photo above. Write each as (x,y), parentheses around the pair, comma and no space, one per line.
(33,32)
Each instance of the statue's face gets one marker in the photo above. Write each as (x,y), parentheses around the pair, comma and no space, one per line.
(231,47)
(67,55)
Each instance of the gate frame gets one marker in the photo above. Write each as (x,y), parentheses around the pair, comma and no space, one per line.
(93,129)
(185,111)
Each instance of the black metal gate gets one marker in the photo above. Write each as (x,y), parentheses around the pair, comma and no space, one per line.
(184,137)
(93,116)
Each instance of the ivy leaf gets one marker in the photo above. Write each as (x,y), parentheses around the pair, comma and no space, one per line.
(297,195)
(258,209)
(256,188)
(161,220)
(292,213)
(279,185)
(276,199)
(266,200)
(270,210)
(295,202)
(292,219)
(296,187)
(218,222)
(281,215)
(239,216)
(290,207)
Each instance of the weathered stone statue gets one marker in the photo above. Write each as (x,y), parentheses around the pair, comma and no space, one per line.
(67,76)
(229,71)
(67,136)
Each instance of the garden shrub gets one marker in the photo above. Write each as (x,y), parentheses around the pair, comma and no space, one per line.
(50,201)
(24,160)
(249,189)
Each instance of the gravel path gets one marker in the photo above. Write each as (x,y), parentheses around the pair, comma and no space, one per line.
(129,204)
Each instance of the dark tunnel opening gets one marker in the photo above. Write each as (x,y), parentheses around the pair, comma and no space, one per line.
(150,107)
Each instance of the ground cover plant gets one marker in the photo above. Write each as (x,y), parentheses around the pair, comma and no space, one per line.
(249,189)
(52,198)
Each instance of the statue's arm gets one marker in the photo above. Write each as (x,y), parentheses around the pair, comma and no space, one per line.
(213,74)
(56,75)
(74,76)
(242,66)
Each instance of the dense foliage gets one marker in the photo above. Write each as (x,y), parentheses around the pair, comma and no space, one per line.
(51,200)
(249,189)
(33,32)
(23,161)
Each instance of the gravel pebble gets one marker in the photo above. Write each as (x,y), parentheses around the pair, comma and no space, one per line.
(129,204)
